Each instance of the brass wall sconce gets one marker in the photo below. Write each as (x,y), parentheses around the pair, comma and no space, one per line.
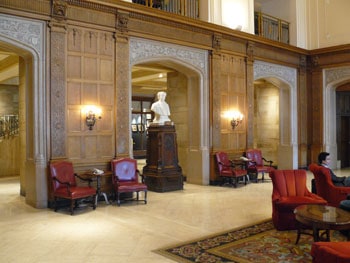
(92,114)
(235,118)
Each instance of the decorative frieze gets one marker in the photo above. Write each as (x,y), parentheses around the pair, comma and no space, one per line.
(141,49)
(335,74)
(263,70)
(23,30)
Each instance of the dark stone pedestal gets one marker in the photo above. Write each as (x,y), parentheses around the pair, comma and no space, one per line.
(162,172)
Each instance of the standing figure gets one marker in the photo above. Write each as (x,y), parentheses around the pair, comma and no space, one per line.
(161,109)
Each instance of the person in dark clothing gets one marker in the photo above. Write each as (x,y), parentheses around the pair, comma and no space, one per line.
(324,159)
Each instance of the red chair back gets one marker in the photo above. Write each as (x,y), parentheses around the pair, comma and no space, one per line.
(325,187)
(289,182)
(223,163)
(125,169)
(256,156)
(64,172)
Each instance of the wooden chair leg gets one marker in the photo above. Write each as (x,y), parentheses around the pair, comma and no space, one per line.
(118,199)
(145,197)
(55,203)
(72,203)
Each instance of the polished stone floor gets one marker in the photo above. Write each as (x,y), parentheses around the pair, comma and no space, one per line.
(128,233)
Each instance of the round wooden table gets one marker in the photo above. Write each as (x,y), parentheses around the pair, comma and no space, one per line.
(321,217)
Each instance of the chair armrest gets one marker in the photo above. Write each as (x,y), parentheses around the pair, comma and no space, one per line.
(89,180)
(231,164)
(141,175)
(67,184)
(267,161)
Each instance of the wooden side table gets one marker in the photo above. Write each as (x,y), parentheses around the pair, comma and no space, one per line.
(97,177)
(321,217)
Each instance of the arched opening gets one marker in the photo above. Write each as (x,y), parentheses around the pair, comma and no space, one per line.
(275,115)
(334,79)
(266,119)
(343,124)
(187,96)
(28,45)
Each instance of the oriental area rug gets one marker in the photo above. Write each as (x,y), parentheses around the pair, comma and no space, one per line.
(255,243)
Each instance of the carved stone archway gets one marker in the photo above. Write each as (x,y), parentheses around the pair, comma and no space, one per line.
(333,77)
(194,64)
(288,144)
(26,38)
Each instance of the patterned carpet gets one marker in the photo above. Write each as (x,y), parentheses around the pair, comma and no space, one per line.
(255,243)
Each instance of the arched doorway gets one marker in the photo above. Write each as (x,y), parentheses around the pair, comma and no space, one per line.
(333,78)
(26,38)
(188,97)
(284,78)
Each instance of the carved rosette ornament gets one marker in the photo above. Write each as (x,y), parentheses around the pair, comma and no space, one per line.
(250,51)
(122,22)
(314,61)
(302,62)
(217,41)
(59,10)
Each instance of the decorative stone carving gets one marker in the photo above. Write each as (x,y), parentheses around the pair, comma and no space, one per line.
(58,81)
(59,10)
(263,70)
(217,41)
(302,62)
(122,22)
(250,51)
(335,74)
(314,61)
(23,30)
(146,49)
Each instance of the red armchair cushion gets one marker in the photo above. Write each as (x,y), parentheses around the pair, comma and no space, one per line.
(337,252)
(325,187)
(76,192)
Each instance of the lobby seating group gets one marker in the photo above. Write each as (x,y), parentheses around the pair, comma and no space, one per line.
(335,196)
(124,181)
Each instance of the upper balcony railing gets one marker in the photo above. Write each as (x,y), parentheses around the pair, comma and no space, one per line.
(189,8)
(271,27)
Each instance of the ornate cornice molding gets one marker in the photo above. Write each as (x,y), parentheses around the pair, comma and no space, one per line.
(93,6)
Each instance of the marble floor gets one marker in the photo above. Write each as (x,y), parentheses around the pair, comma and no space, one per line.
(128,233)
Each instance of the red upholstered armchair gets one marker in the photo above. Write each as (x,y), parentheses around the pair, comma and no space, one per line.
(64,185)
(256,163)
(229,171)
(330,252)
(290,191)
(325,187)
(125,179)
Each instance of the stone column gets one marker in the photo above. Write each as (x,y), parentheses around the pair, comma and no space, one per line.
(250,95)
(122,86)
(57,82)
